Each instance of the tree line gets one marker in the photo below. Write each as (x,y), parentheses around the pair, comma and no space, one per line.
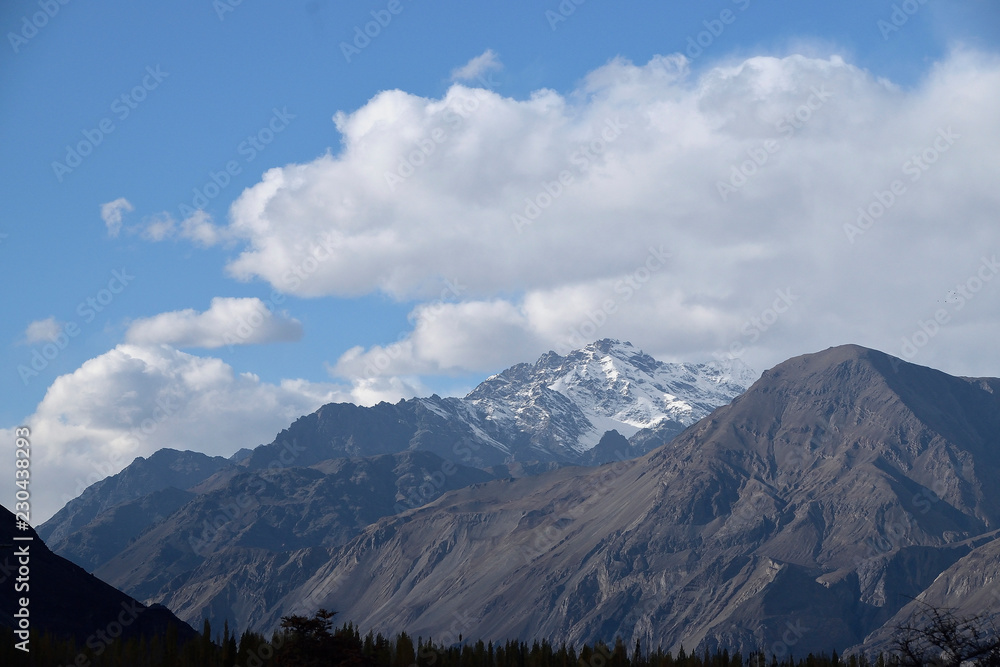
(303,641)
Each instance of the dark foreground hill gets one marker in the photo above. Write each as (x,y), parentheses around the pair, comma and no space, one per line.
(65,601)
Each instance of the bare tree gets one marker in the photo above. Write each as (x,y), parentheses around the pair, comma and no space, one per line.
(938,637)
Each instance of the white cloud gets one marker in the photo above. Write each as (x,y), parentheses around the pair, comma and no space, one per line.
(485,62)
(158,228)
(198,227)
(369,391)
(111,213)
(639,245)
(42,330)
(448,338)
(467,187)
(134,400)
(228,321)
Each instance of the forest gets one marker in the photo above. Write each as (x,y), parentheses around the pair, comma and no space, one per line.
(315,642)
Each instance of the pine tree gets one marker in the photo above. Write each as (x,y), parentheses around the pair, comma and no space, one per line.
(404,655)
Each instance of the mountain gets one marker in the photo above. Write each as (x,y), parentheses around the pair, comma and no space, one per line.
(801,517)
(563,405)
(206,535)
(165,469)
(252,529)
(967,587)
(66,601)
(114,529)
(555,410)
(560,410)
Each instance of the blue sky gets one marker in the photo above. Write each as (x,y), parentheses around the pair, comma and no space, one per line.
(165,97)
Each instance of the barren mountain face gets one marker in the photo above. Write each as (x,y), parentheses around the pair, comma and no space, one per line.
(165,525)
(802,516)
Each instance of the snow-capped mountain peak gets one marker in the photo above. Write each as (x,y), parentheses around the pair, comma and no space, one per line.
(569,402)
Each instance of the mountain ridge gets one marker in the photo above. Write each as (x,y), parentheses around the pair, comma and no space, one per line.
(838,487)
(803,498)
(464,430)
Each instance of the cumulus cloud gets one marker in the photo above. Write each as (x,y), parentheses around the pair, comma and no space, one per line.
(158,228)
(197,227)
(485,62)
(136,399)
(763,177)
(42,330)
(111,213)
(762,209)
(448,338)
(372,390)
(228,321)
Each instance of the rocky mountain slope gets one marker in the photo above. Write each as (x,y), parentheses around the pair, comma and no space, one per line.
(253,529)
(555,410)
(801,517)
(969,587)
(524,420)
(165,469)
(565,404)
(806,515)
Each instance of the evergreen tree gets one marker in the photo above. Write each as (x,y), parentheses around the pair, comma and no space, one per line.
(404,655)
